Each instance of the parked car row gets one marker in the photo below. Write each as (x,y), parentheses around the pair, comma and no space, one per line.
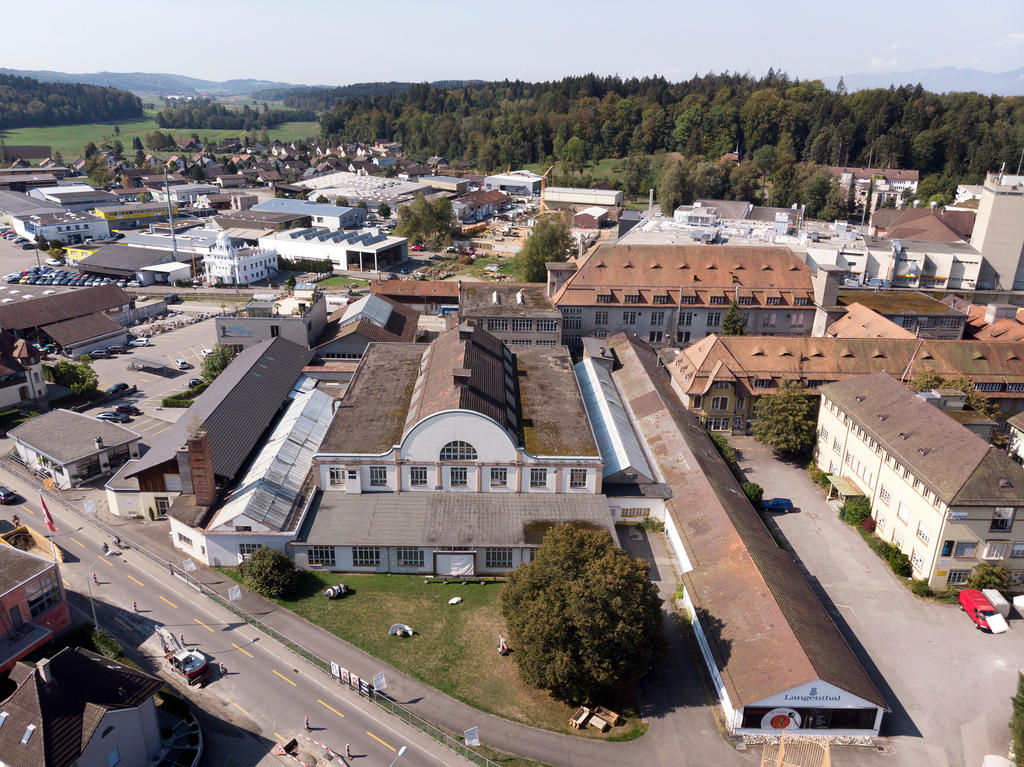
(47,275)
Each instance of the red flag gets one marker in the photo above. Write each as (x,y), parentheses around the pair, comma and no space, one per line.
(46,515)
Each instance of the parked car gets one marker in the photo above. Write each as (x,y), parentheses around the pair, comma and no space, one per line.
(128,410)
(140,341)
(981,611)
(112,415)
(205,353)
(117,349)
(181,364)
(778,504)
(99,354)
(53,262)
(7,495)
(118,388)
(194,382)
(416,248)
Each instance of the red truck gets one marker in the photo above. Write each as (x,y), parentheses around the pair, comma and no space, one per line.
(981,611)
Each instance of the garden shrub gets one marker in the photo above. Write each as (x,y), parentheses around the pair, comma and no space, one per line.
(900,563)
(856,510)
(867,525)
(755,493)
(920,587)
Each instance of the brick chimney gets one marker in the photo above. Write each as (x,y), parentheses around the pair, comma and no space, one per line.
(200,461)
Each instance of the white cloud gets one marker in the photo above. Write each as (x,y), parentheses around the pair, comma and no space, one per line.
(1011,40)
(879,64)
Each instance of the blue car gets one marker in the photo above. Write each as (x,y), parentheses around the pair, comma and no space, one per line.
(778,504)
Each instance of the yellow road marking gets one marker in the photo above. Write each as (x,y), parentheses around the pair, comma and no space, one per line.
(240,649)
(66,584)
(281,737)
(72,538)
(123,623)
(240,708)
(105,561)
(380,741)
(203,625)
(136,580)
(161,431)
(26,508)
(329,708)
(289,681)
(168,601)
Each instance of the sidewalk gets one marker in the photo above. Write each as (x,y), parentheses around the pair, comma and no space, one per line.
(674,698)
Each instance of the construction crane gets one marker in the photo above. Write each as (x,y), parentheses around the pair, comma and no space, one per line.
(543,186)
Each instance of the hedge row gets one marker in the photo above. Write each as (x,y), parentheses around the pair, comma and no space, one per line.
(184,398)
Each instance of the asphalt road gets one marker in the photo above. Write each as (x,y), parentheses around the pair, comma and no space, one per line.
(266,691)
(949,685)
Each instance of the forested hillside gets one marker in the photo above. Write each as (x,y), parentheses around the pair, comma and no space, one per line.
(322,97)
(26,102)
(202,113)
(774,120)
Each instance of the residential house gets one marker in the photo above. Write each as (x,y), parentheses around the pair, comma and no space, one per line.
(33,606)
(884,184)
(452,458)
(678,294)
(74,448)
(80,709)
(519,314)
(21,372)
(938,492)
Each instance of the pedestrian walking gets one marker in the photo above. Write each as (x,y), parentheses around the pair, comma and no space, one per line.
(223,670)
(16,521)
(181,638)
(348,751)
(135,606)
(95,579)
(306,721)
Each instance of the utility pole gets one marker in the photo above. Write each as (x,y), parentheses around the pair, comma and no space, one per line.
(170,216)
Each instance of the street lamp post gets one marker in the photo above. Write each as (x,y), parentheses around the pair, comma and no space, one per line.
(88,582)
(400,752)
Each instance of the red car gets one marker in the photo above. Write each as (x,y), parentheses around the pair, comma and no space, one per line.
(416,248)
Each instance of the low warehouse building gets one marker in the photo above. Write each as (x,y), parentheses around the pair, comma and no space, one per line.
(321,214)
(590,218)
(368,250)
(122,262)
(135,215)
(70,228)
(776,659)
(565,197)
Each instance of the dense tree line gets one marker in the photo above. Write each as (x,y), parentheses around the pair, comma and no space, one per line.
(202,113)
(26,102)
(319,98)
(955,136)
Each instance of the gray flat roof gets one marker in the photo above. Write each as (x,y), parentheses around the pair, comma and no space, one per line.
(447,519)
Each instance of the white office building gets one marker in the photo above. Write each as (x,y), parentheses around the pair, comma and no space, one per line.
(227,263)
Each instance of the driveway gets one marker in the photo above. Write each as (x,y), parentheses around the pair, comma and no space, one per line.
(949,686)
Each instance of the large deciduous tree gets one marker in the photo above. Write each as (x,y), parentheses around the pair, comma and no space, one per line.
(786,419)
(549,241)
(584,617)
(214,364)
(268,572)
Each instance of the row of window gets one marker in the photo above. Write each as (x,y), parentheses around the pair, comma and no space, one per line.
(628,318)
(992,550)
(458,476)
(521,325)
(406,556)
(959,577)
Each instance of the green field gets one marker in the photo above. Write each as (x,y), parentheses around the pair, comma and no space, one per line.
(69,140)
(454,648)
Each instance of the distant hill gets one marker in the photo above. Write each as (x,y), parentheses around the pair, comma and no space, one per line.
(148,82)
(322,97)
(942,80)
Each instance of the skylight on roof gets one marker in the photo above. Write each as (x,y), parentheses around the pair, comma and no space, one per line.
(28,734)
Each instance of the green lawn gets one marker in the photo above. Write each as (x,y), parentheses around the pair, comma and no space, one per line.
(454,648)
(341,282)
(15,417)
(69,140)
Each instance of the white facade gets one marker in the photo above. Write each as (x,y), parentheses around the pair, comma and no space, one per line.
(70,228)
(365,250)
(901,264)
(521,182)
(224,263)
(565,195)
(422,463)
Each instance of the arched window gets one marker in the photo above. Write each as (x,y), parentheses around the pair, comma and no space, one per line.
(458,451)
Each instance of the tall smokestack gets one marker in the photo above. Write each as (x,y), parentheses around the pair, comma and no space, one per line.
(650,203)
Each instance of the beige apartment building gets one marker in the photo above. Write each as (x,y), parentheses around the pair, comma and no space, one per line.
(941,494)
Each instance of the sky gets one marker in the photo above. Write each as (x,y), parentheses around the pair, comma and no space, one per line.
(336,42)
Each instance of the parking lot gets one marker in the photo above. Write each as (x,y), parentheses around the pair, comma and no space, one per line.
(183,343)
(949,685)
